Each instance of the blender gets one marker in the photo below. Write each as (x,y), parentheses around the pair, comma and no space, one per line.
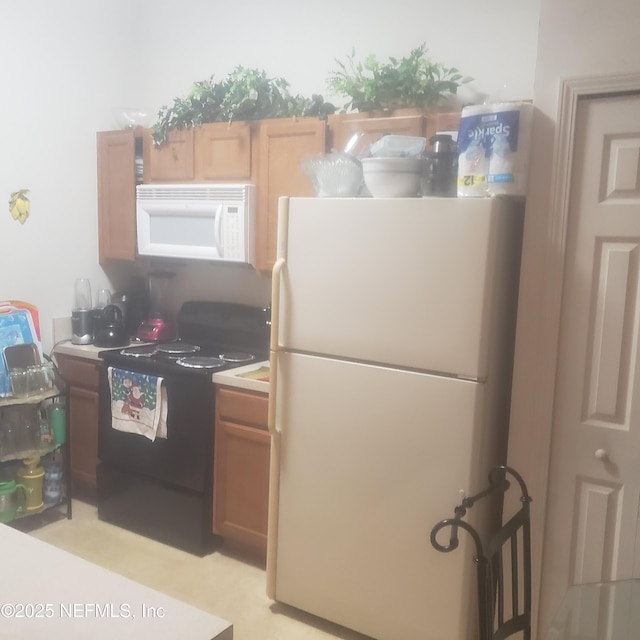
(82,313)
(159,326)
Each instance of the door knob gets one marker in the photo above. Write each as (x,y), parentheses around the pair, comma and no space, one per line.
(601,454)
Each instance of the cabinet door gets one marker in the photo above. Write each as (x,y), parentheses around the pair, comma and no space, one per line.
(242,483)
(241,468)
(223,151)
(283,144)
(441,121)
(343,126)
(82,377)
(171,162)
(116,195)
(83,425)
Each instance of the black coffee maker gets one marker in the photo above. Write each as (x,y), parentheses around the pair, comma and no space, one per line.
(133,302)
(109,329)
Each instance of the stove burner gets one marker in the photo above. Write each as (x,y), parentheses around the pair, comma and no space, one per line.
(145,351)
(177,348)
(201,362)
(237,356)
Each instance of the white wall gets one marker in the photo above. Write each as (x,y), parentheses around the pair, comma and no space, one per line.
(62,70)
(577,38)
(495,44)
(67,65)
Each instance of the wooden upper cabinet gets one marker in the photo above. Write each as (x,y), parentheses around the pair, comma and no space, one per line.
(283,143)
(171,162)
(267,153)
(343,126)
(116,195)
(405,122)
(441,121)
(223,151)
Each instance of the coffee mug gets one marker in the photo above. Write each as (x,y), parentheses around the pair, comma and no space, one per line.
(10,507)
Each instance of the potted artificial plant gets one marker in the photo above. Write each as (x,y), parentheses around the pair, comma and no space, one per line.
(245,94)
(413,81)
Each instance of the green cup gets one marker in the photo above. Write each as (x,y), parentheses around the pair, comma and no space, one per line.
(10,505)
(58,422)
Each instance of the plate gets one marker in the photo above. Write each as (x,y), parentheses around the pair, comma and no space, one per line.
(16,327)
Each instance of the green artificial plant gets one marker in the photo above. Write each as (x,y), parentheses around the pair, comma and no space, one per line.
(412,81)
(245,94)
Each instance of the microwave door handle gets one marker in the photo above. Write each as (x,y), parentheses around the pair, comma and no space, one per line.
(218,231)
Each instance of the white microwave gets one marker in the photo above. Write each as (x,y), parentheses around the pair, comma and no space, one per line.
(196,221)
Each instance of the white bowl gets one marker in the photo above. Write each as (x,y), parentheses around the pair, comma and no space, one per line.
(393,177)
(337,175)
(130,117)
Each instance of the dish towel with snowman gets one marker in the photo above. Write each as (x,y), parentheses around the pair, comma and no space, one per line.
(138,403)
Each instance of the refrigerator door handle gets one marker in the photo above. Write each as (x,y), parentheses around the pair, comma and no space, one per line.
(276,284)
(273,346)
(275,303)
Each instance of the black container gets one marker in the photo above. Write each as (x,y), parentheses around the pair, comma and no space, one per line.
(109,329)
(133,303)
(441,167)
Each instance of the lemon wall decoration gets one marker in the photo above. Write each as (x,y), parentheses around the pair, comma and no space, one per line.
(19,205)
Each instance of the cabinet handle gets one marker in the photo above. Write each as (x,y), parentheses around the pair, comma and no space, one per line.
(601,454)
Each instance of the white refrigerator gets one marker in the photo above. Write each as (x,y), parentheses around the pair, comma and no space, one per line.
(391,351)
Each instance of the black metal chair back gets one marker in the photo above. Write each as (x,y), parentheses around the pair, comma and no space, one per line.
(503,561)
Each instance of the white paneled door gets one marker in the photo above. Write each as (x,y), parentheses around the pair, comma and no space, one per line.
(592,513)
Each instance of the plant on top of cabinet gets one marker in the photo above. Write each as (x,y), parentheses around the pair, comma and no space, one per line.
(245,94)
(413,81)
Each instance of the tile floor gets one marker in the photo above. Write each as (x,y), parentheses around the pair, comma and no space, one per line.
(220,583)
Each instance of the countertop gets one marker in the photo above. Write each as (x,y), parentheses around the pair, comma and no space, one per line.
(252,377)
(49,593)
(88,351)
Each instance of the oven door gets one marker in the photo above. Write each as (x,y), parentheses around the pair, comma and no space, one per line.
(184,458)
(162,489)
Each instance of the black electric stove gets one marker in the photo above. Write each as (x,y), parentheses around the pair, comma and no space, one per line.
(163,488)
(212,336)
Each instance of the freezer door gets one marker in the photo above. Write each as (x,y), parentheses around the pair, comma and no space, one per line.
(427,283)
(365,461)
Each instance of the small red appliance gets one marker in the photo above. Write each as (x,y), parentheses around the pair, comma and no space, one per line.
(156,330)
(158,327)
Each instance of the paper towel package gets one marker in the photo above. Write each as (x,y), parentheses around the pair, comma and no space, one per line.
(493,147)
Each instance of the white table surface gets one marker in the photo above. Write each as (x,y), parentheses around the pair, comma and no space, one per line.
(46,592)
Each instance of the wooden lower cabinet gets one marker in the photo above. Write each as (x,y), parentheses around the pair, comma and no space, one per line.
(241,469)
(82,377)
